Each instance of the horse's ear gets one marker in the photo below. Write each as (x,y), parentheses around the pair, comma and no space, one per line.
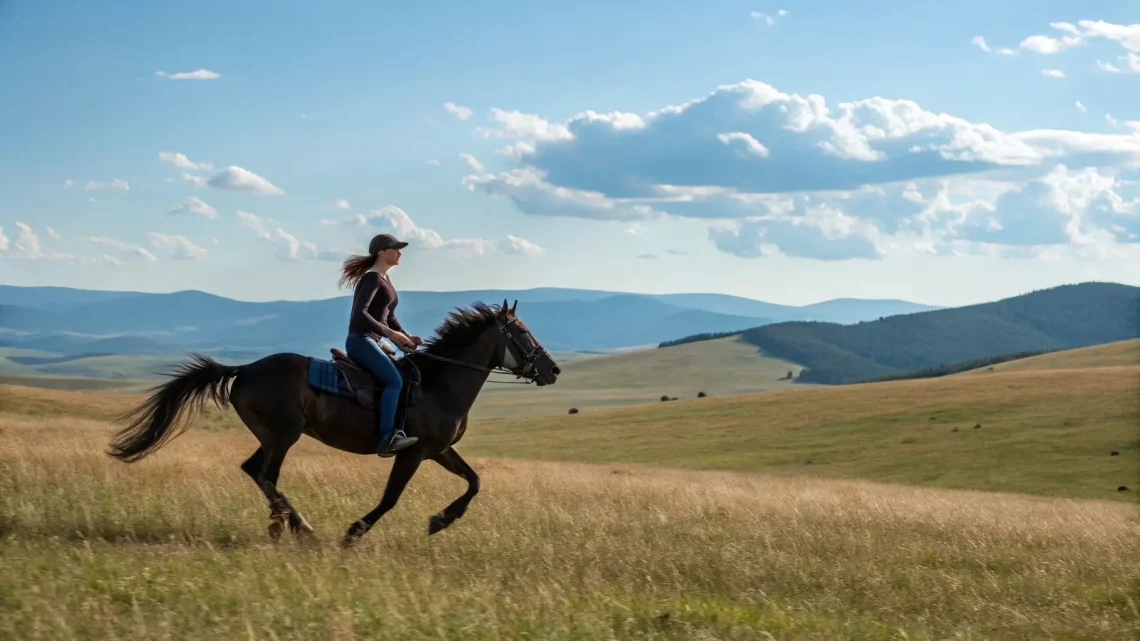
(514,307)
(505,309)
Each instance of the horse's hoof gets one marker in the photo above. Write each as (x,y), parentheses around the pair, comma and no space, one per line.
(275,529)
(300,528)
(437,523)
(349,541)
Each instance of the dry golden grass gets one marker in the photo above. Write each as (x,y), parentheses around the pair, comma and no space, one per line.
(174,547)
(1115,354)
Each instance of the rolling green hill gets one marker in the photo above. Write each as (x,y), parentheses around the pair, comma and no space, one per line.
(717,367)
(1063,317)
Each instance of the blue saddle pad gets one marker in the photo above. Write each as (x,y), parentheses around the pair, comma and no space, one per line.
(324,375)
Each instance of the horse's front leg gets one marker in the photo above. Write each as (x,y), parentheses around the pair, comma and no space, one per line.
(407,462)
(454,463)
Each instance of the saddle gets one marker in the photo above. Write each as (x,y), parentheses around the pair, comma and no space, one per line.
(361,384)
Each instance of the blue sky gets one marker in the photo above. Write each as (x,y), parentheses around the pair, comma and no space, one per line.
(789,151)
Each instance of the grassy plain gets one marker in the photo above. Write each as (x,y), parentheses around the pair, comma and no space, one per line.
(174,547)
(717,367)
(601,540)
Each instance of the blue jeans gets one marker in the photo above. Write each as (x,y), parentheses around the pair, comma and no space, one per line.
(366,351)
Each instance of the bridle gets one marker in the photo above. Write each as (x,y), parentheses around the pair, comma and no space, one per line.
(506,339)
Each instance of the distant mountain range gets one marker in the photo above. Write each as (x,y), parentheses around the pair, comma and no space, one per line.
(74,321)
(1058,318)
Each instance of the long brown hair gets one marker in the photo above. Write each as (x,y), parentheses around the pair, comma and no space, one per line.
(354,267)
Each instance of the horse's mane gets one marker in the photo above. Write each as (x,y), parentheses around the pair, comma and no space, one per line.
(454,335)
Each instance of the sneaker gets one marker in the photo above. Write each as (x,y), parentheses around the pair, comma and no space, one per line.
(399,441)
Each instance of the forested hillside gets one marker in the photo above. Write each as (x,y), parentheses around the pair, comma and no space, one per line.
(1057,318)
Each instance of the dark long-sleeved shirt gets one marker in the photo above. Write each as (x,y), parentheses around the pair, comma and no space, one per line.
(374,306)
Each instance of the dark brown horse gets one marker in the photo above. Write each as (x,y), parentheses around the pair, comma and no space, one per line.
(275,400)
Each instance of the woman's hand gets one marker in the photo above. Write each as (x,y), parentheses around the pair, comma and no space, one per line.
(403,341)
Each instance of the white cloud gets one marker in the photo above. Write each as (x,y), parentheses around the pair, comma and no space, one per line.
(181,161)
(787,175)
(1053,73)
(1080,107)
(255,222)
(26,245)
(238,179)
(980,43)
(53,234)
(195,206)
(1127,35)
(471,161)
(68,184)
(744,143)
(198,74)
(396,221)
(1110,120)
(782,12)
(433,162)
(123,247)
(1130,62)
(176,247)
(809,147)
(197,181)
(1048,45)
(341,204)
(516,124)
(762,17)
(461,112)
(515,245)
(117,183)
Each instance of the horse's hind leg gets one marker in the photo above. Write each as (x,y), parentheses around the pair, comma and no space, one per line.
(264,470)
(451,461)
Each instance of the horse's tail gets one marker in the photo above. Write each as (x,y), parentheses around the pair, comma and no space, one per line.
(161,417)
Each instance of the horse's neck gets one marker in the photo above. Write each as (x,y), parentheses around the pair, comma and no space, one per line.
(458,385)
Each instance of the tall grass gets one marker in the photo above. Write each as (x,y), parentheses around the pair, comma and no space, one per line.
(174,547)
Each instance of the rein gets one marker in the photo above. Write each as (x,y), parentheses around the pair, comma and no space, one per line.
(503,334)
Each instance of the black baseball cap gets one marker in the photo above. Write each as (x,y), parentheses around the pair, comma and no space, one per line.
(380,242)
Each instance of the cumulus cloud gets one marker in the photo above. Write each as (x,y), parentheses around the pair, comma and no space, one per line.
(1080,106)
(26,245)
(124,248)
(117,183)
(68,184)
(238,179)
(182,162)
(1129,63)
(1053,73)
(980,42)
(516,124)
(53,234)
(194,206)
(784,174)
(396,221)
(197,74)
(471,162)
(176,247)
(459,111)
(516,245)
(809,147)
(341,204)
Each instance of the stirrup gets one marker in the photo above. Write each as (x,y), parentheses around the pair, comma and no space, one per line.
(397,442)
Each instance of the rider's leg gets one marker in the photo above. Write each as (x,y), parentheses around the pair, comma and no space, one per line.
(369,354)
